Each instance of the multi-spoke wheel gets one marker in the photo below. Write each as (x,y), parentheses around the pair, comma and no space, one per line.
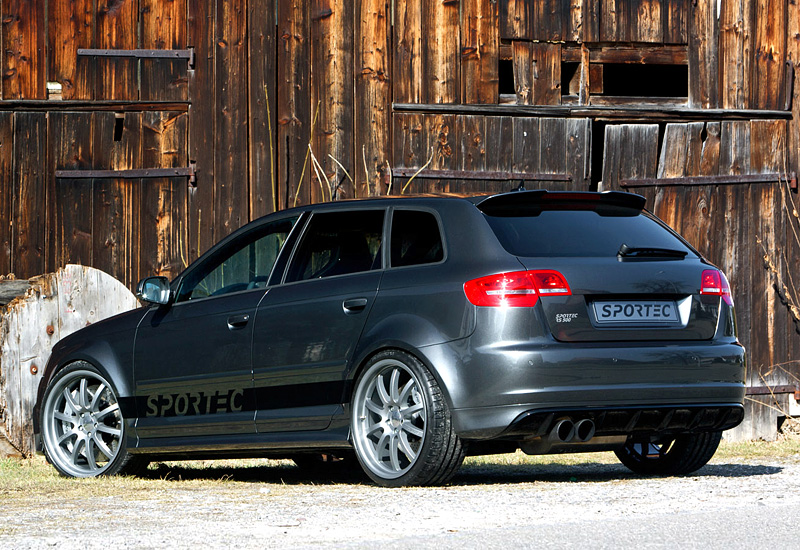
(401,425)
(676,455)
(82,426)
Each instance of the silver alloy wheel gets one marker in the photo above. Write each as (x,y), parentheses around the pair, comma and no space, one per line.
(82,424)
(389,418)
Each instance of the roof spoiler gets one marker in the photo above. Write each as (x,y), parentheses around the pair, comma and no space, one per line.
(521,203)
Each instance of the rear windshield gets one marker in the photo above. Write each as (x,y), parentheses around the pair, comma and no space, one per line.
(581,233)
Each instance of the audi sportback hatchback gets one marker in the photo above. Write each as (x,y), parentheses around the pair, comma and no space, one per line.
(403,334)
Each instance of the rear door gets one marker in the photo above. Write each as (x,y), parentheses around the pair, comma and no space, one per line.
(307,328)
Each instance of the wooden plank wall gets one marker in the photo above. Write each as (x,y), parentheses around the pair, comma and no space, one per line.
(748,230)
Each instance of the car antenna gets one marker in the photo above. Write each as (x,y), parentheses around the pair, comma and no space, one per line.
(521,186)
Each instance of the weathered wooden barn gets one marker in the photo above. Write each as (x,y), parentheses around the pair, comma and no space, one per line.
(136,133)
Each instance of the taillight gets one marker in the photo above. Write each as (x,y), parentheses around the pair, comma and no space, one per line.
(714,283)
(515,289)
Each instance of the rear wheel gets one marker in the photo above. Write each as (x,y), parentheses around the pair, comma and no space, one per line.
(82,426)
(682,454)
(401,426)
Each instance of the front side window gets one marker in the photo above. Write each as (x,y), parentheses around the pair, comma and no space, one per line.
(243,265)
(416,238)
(338,243)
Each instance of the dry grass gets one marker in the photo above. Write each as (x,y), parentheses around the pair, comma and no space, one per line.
(33,480)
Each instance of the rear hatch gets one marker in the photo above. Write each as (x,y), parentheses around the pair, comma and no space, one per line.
(629,277)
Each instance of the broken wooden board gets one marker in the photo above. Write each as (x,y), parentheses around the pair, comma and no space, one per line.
(55,305)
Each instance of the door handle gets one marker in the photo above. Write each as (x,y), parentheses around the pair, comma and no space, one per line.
(238,321)
(354,305)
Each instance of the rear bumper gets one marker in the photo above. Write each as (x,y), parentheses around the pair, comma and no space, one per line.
(510,389)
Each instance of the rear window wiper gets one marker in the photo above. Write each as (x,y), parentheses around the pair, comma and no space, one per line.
(626,251)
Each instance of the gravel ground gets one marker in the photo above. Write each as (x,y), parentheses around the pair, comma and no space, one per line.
(723,506)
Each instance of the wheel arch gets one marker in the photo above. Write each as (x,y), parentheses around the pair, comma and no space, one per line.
(97,353)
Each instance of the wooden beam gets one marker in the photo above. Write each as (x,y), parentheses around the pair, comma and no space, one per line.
(634,111)
(651,55)
(702,180)
(478,175)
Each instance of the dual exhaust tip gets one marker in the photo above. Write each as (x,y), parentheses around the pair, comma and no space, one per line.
(565,430)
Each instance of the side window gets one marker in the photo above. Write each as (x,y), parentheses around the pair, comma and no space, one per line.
(243,265)
(416,238)
(337,243)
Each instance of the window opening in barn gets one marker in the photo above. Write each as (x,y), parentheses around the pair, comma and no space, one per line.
(119,125)
(506,77)
(633,80)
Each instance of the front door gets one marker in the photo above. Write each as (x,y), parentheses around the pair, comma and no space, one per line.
(192,358)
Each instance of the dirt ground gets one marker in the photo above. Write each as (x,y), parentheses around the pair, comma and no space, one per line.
(271,504)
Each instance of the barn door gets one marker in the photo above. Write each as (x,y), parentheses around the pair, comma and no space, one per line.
(120,192)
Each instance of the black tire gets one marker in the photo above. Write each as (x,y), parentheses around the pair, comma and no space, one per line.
(401,426)
(83,431)
(679,455)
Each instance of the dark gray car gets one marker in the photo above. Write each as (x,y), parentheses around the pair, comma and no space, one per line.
(410,332)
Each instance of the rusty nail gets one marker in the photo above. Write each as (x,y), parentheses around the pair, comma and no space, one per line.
(50,330)
(34,369)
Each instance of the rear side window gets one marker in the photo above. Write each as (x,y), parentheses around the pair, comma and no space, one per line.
(416,238)
(581,233)
(338,243)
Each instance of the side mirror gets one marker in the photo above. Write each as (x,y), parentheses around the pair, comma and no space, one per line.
(154,290)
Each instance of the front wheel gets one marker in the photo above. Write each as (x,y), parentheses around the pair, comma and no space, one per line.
(82,426)
(678,455)
(401,426)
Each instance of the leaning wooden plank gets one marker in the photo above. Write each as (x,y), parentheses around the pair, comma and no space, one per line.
(69,28)
(769,50)
(480,50)
(261,107)
(116,77)
(29,179)
(24,32)
(332,90)
(373,95)
(704,58)
(163,27)
(7,191)
(56,305)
